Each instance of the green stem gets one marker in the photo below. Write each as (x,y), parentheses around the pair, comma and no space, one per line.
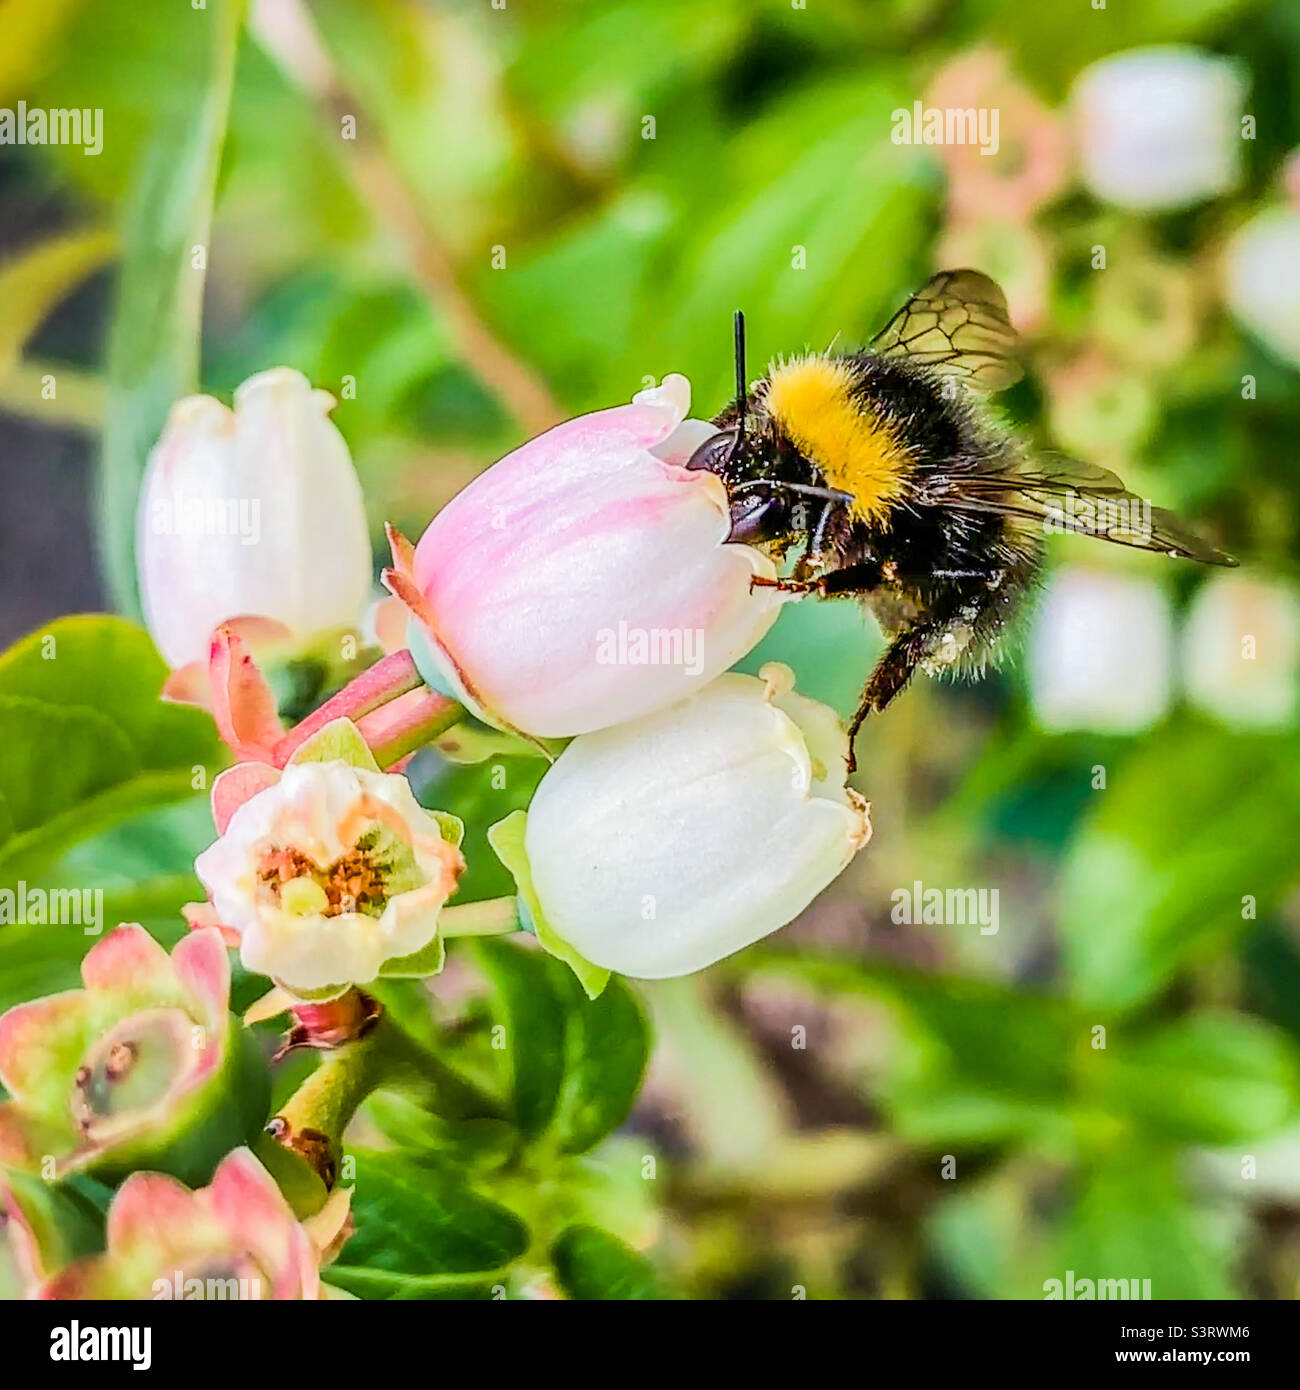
(313,1121)
(492,917)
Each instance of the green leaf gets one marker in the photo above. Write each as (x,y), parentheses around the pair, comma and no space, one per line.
(592,1264)
(482,1143)
(37,959)
(532,1003)
(981,1062)
(87,740)
(153,350)
(422,1233)
(605,1059)
(576,1063)
(507,838)
(478,794)
(1054,42)
(144,866)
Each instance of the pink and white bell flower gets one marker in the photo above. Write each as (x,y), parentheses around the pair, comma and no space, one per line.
(585,579)
(327,874)
(254,512)
(660,846)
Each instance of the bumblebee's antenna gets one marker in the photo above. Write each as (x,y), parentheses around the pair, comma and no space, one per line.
(742,386)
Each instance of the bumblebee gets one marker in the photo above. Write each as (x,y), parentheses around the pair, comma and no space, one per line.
(885,472)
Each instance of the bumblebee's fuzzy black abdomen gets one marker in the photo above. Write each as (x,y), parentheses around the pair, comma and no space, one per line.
(968,568)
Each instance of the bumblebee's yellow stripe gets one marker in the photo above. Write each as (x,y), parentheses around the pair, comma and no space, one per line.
(855,451)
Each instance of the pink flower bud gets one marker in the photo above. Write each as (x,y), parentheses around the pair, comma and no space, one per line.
(235,1239)
(254,511)
(583,580)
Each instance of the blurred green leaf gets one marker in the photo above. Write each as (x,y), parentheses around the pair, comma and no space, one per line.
(592,1264)
(1155,880)
(480,794)
(978,1061)
(87,740)
(981,1062)
(1134,1219)
(34,281)
(153,351)
(822,248)
(422,1234)
(1213,1078)
(1127,1215)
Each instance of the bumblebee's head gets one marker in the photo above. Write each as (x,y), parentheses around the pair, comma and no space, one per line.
(742,454)
(742,457)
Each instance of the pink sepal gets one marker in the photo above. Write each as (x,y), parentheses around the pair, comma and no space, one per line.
(242,702)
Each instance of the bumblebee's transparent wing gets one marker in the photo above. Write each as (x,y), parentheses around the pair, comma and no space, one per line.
(956,324)
(1066,495)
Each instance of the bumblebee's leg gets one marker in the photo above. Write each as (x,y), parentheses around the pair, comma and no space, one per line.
(893,671)
(861,578)
(852,579)
(786,586)
(904,654)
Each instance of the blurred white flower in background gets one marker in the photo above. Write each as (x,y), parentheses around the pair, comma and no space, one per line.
(1262,279)
(1241,650)
(251,512)
(1100,652)
(1159,127)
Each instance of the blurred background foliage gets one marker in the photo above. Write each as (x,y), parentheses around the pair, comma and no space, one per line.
(540,207)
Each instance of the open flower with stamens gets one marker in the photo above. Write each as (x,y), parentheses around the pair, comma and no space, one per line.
(236,1239)
(330,873)
(141,1067)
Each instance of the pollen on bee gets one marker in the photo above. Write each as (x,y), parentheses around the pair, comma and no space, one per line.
(811,399)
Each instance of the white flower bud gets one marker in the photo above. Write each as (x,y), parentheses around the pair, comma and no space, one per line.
(662,845)
(255,511)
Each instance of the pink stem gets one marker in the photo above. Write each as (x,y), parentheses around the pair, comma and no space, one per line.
(408,723)
(388,678)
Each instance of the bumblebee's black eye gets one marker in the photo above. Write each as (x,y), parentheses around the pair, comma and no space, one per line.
(753,518)
(715,455)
